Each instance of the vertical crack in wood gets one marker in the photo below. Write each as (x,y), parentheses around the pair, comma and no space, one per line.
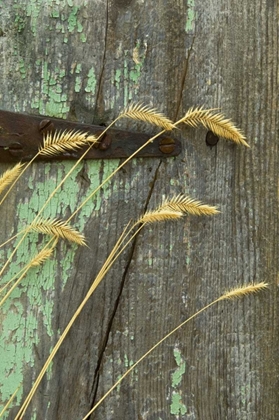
(95,384)
(184,75)
(101,78)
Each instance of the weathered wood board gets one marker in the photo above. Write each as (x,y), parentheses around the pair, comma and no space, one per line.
(85,61)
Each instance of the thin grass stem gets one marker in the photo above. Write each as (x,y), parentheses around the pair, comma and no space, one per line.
(9,402)
(242,291)
(113,173)
(43,255)
(13,237)
(96,282)
(12,279)
(27,230)
(18,177)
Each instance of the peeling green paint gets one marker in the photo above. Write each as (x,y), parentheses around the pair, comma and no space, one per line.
(19,329)
(78,68)
(53,102)
(127,363)
(190,17)
(91,82)
(78,84)
(66,13)
(22,69)
(177,407)
(83,37)
(78,81)
(73,21)
(177,375)
(20,18)
(127,78)
(55,13)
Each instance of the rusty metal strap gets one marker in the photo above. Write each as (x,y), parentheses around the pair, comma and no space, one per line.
(21,135)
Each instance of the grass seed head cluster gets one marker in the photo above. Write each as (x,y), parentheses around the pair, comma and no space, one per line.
(171,209)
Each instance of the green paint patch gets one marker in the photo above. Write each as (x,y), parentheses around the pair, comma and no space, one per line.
(127,363)
(33,8)
(190,17)
(83,37)
(177,375)
(128,77)
(78,68)
(73,21)
(91,81)
(177,407)
(78,84)
(55,13)
(179,372)
(20,18)
(55,102)
(22,69)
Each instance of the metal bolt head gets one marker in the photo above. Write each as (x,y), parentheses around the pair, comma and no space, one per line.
(105,142)
(16,149)
(46,126)
(167,145)
(211,139)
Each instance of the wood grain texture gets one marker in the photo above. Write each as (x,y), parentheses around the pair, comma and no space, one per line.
(85,61)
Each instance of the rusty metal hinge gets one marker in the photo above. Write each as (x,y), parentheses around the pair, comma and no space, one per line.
(21,135)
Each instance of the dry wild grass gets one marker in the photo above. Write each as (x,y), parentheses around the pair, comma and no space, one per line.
(232,294)
(147,114)
(171,209)
(10,176)
(188,205)
(217,123)
(59,229)
(65,141)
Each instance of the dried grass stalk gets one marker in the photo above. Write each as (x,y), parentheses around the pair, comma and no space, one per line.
(64,141)
(147,114)
(10,176)
(5,408)
(160,215)
(244,290)
(187,204)
(238,292)
(41,257)
(59,229)
(217,123)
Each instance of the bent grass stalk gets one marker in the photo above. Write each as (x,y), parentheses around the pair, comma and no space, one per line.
(9,176)
(191,118)
(116,251)
(40,258)
(134,111)
(94,285)
(188,120)
(233,294)
(60,142)
(9,401)
(149,217)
